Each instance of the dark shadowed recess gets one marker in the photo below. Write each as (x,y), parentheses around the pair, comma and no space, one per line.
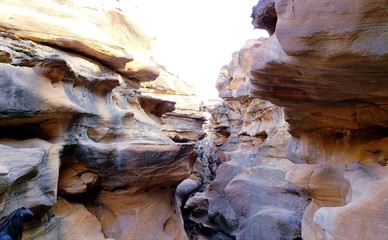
(23,132)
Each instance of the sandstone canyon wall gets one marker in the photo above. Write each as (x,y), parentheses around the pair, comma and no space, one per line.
(249,197)
(80,145)
(302,131)
(327,65)
(95,137)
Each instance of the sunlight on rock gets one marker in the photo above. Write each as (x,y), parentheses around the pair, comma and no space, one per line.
(144,119)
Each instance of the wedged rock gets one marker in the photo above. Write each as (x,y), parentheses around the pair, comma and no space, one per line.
(211,209)
(284,224)
(184,189)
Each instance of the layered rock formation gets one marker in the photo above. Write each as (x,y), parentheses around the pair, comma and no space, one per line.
(185,123)
(298,148)
(81,146)
(325,66)
(249,197)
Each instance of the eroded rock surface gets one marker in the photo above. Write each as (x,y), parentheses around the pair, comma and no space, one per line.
(249,197)
(185,123)
(332,74)
(101,30)
(326,64)
(298,148)
(77,137)
(320,151)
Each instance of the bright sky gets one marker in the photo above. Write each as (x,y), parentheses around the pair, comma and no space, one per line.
(196,38)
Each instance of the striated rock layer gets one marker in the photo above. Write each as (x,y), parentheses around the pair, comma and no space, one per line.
(331,69)
(326,63)
(80,145)
(185,123)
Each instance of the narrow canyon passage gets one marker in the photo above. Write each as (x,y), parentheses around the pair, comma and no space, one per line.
(100,141)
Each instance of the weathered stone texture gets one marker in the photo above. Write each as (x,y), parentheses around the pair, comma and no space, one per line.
(78,140)
(185,123)
(326,64)
(99,30)
(328,61)
(249,197)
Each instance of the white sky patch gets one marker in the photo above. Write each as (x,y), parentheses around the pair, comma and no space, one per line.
(194,39)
